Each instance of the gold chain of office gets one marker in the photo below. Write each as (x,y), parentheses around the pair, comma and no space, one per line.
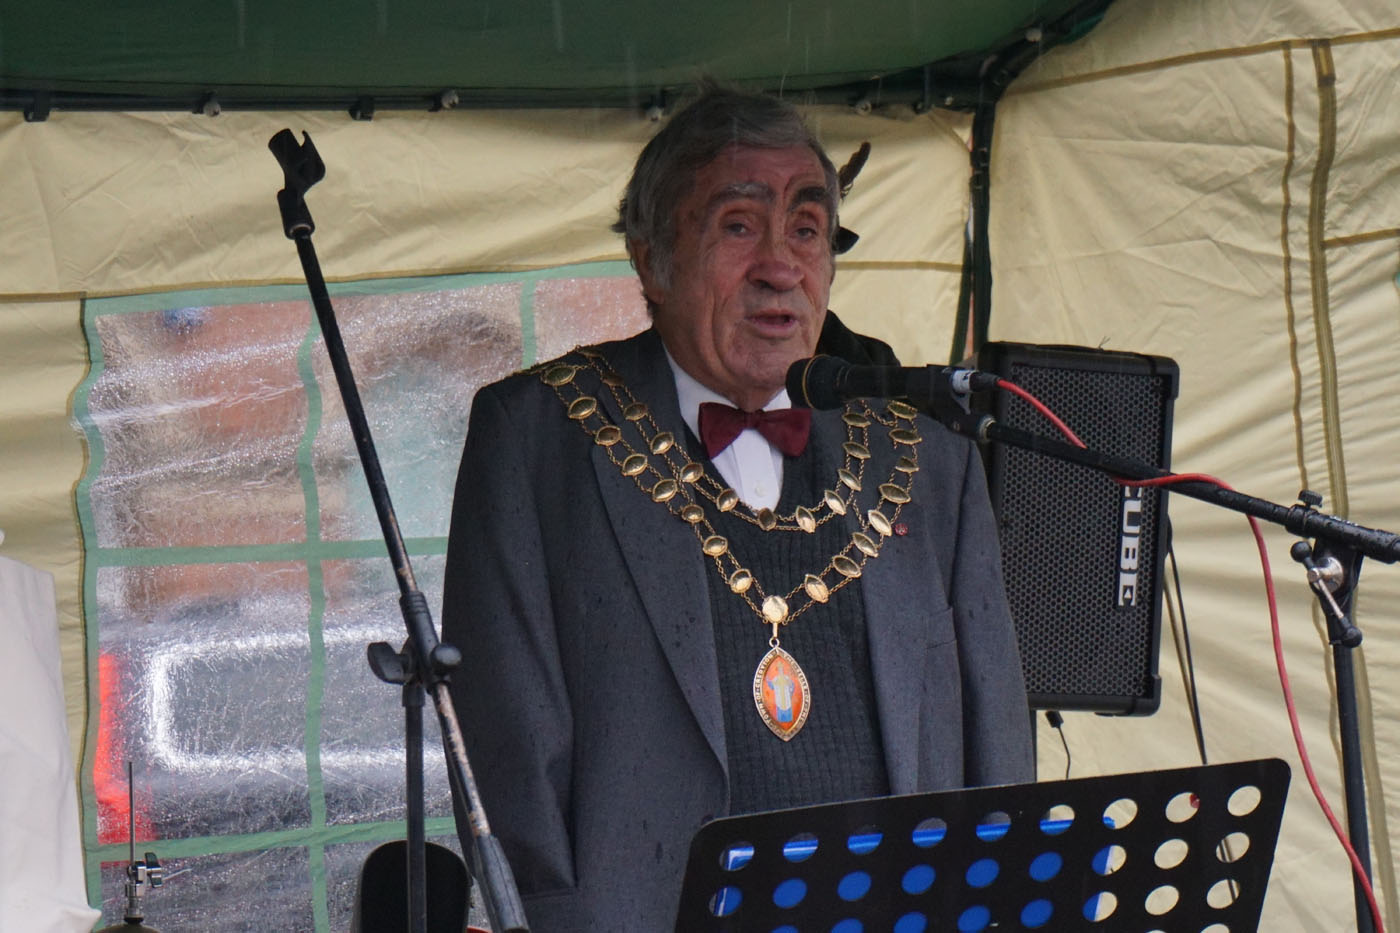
(669,477)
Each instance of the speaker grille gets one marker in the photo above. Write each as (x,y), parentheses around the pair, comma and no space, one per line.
(1088,625)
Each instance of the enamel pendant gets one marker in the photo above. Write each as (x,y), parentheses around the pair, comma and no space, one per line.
(780,692)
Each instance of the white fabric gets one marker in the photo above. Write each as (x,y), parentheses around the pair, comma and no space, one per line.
(750,464)
(41,868)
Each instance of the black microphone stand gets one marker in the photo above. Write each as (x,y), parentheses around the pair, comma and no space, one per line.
(1340,545)
(424,662)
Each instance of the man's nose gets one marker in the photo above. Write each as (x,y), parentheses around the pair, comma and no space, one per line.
(774,264)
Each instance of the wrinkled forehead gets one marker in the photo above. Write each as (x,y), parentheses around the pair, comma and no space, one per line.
(748,192)
(788,178)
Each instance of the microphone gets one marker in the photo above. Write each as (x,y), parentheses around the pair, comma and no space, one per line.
(827,382)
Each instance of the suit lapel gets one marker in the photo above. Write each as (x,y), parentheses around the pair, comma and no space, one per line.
(663,558)
(894,587)
(661,552)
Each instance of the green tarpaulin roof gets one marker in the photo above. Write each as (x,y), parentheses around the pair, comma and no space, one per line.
(100,54)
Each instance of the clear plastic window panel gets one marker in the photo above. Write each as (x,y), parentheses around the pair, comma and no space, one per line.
(235,572)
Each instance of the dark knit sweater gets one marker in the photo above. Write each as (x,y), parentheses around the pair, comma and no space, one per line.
(838,754)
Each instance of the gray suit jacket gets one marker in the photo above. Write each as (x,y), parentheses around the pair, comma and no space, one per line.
(589,694)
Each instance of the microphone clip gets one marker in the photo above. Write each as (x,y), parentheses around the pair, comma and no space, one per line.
(941,392)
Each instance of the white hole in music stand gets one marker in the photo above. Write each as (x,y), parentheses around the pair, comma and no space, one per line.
(1222,894)
(1100,906)
(1171,853)
(1233,847)
(1109,859)
(1182,807)
(1120,813)
(1162,900)
(1244,800)
(1058,819)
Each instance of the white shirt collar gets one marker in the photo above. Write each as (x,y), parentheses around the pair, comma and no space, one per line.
(690,393)
(751,466)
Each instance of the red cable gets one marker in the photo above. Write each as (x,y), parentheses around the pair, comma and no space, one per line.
(1041,407)
(1274,627)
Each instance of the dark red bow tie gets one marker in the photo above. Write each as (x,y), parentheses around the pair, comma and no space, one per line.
(784,428)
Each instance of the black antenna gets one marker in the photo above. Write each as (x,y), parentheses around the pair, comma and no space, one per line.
(147,871)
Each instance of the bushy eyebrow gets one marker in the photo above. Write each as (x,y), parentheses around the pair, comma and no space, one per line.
(758,191)
(740,191)
(814,194)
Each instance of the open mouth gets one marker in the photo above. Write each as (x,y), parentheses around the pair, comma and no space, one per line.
(775,320)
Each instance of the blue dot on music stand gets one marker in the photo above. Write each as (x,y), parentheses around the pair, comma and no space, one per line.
(1102,860)
(914,922)
(865,841)
(1046,865)
(918,879)
(974,920)
(994,827)
(849,925)
(982,872)
(726,900)
(1036,914)
(786,928)
(929,832)
(800,847)
(736,856)
(790,893)
(854,886)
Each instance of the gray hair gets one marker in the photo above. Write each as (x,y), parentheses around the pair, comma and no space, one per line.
(694,137)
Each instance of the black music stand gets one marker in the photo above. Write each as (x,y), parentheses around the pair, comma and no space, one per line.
(1160,850)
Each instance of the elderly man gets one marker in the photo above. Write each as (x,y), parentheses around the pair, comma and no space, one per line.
(674,610)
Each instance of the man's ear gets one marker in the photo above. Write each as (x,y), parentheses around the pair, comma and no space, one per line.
(641,261)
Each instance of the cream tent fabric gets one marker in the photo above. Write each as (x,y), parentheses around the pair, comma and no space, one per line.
(1216,183)
(175,203)
(1220,184)
(113,204)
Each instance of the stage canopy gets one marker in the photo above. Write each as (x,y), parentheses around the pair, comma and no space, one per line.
(1211,182)
(95,55)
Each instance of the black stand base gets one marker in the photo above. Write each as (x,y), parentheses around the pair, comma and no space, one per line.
(381,900)
(1160,850)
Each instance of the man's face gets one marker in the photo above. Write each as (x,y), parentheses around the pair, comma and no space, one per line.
(751,272)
